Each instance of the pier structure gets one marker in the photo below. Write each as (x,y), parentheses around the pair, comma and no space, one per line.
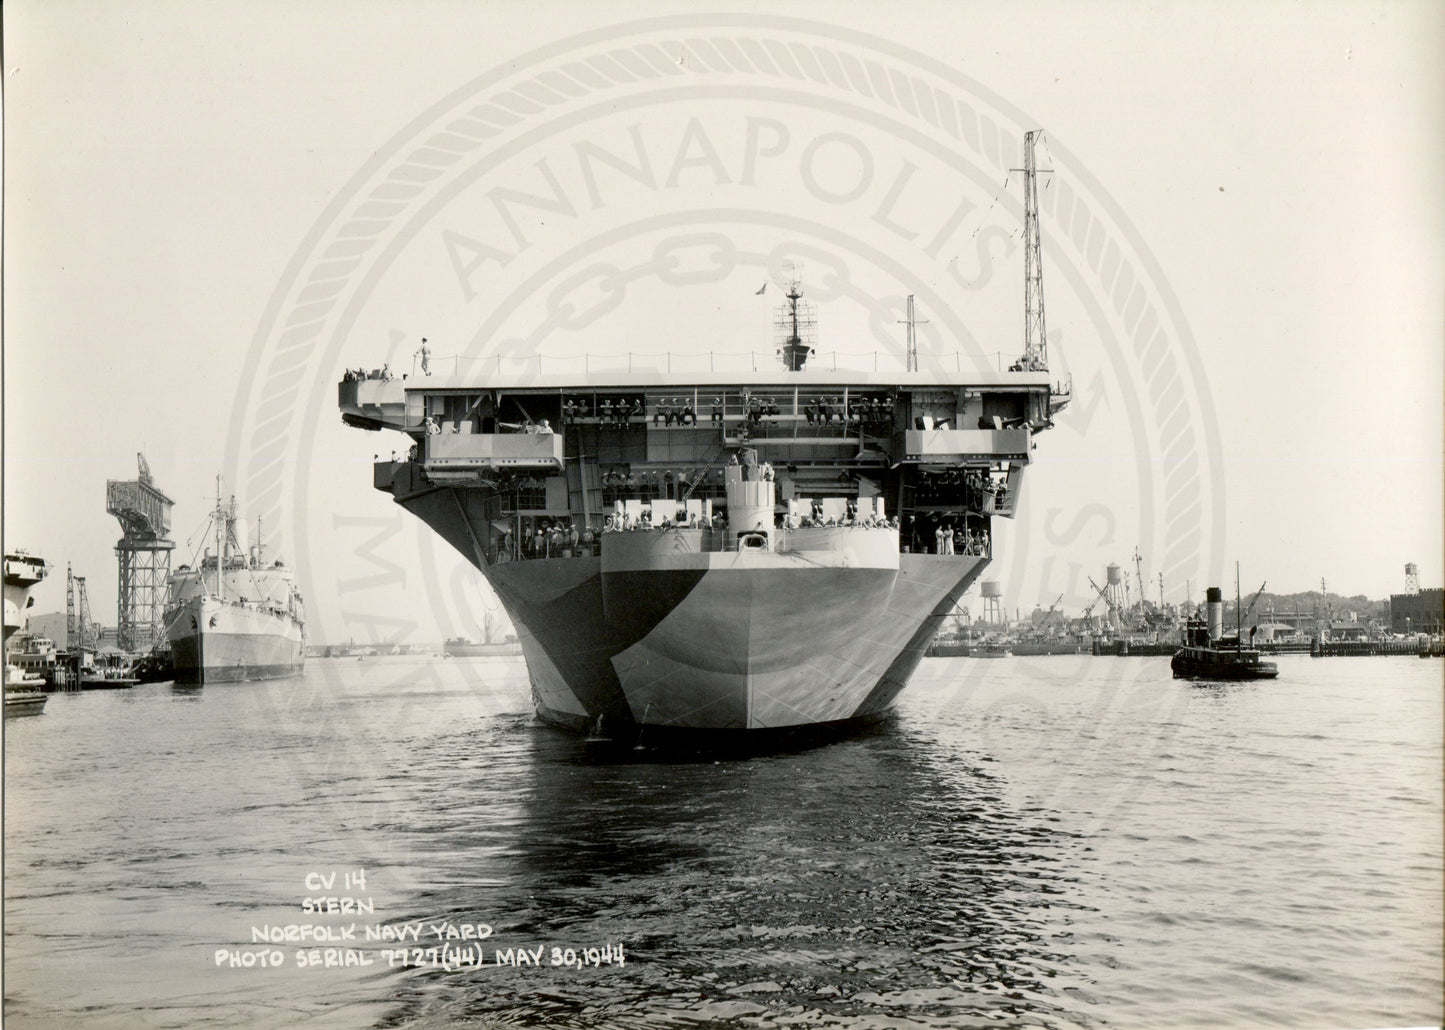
(144,556)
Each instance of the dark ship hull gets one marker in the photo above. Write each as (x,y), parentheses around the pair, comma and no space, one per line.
(718,640)
(1221,663)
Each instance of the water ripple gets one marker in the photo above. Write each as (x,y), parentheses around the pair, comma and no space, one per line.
(1066,842)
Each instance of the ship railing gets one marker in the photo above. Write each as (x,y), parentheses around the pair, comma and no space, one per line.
(722,539)
(673,363)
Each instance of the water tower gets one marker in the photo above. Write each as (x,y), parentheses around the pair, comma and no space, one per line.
(993,613)
(1114,594)
(144,553)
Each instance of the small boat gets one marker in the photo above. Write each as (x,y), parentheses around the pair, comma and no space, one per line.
(1208,654)
(24,692)
(20,700)
(993,649)
(949,647)
(461,647)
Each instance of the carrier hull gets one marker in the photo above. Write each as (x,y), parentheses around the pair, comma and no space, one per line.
(704,542)
(654,632)
(725,649)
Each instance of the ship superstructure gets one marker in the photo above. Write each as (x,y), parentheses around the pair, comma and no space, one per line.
(713,551)
(234,615)
(22,572)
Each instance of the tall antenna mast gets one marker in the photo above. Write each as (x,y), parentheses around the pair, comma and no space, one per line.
(913,324)
(1036,344)
(222,532)
(912,337)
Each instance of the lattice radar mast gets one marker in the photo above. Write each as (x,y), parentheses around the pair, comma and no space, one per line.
(796,325)
(1036,341)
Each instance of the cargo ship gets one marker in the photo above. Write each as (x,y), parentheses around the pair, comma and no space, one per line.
(710,551)
(234,615)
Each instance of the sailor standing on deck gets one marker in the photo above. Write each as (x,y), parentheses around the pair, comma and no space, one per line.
(425,358)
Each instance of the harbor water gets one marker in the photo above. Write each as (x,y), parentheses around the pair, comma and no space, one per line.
(1050,841)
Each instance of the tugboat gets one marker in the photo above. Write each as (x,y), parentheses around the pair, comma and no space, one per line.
(1208,654)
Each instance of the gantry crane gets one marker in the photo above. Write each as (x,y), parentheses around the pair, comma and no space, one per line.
(144,554)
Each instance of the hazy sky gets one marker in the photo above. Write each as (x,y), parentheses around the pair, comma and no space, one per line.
(1268,172)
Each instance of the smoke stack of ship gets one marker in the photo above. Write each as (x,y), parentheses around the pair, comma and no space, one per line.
(1214,605)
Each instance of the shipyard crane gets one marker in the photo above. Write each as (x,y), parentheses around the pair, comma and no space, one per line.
(1139,578)
(1106,597)
(81,633)
(144,556)
(1103,595)
(1253,600)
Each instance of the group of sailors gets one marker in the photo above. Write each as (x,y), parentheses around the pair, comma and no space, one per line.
(352,375)
(674,411)
(610,412)
(411,455)
(623,411)
(759,408)
(541,427)
(967,485)
(848,521)
(869,412)
(649,484)
(626,522)
(951,537)
(544,538)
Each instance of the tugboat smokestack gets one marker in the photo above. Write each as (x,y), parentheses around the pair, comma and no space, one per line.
(1214,606)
